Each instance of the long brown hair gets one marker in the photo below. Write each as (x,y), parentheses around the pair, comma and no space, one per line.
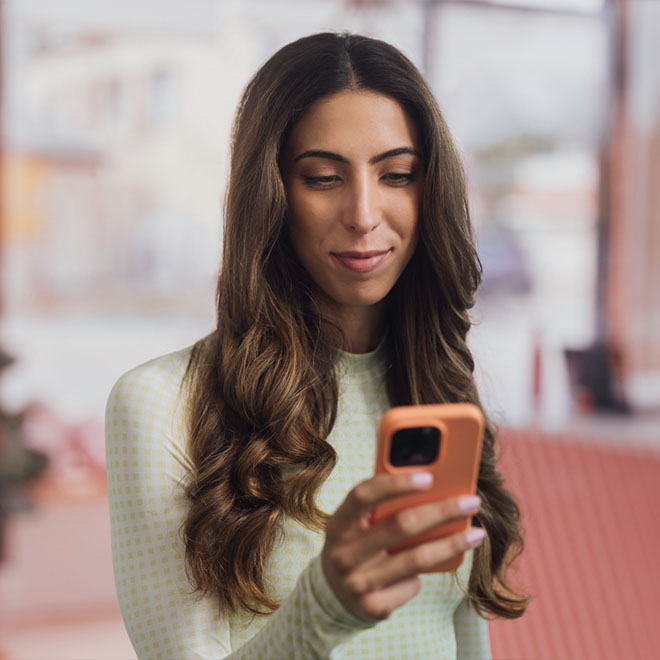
(263,387)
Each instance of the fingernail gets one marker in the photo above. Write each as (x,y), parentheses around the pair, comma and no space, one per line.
(422,478)
(475,535)
(469,503)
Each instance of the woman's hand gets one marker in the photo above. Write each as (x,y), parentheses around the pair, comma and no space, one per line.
(367,580)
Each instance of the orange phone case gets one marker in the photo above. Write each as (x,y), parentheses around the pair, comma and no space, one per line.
(455,470)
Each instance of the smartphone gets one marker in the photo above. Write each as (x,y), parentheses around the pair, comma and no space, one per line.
(444,439)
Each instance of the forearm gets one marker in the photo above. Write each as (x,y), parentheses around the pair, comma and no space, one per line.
(309,624)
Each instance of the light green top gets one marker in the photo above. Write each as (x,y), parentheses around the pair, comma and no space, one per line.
(146,463)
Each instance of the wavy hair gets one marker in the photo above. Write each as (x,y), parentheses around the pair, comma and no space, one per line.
(263,387)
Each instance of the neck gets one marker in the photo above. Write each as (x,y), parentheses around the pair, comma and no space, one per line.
(362,327)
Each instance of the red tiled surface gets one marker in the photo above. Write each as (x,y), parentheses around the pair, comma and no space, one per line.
(592,554)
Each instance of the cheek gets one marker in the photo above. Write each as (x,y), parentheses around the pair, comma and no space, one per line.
(406,219)
(309,221)
(297,216)
(301,227)
(305,235)
(404,207)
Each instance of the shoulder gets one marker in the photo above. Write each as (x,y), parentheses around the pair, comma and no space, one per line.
(163,371)
(153,385)
(168,368)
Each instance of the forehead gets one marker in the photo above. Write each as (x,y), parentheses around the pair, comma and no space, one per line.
(354,119)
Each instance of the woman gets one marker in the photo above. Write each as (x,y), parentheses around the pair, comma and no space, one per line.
(348,271)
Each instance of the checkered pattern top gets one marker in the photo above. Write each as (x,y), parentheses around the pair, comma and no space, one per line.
(146,464)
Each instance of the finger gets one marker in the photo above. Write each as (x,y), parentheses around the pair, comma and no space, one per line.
(362,498)
(410,562)
(407,523)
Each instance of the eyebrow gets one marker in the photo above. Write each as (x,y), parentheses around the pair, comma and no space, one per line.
(330,155)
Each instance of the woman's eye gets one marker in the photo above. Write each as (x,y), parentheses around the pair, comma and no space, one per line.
(399,178)
(324,181)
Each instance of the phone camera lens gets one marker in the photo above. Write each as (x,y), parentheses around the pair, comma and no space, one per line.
(415,446)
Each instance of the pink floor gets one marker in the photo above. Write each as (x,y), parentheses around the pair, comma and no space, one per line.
(591,561)
(591,558)
(57,594)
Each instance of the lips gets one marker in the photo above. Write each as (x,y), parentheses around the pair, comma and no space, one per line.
(361,262)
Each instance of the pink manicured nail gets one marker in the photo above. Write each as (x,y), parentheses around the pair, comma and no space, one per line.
(469,503)
(475,535)
(422,478)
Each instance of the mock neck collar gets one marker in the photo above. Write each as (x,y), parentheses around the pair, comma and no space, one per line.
(371,363)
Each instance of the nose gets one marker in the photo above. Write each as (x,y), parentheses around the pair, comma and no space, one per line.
(362,212)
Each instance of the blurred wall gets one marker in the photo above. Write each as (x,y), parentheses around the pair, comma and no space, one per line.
(633,250)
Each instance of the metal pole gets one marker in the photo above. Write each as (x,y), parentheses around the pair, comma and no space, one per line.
(610,163)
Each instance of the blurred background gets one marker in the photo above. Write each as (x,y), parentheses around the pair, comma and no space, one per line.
(113,159)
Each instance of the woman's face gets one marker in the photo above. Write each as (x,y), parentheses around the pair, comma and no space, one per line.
(354,178)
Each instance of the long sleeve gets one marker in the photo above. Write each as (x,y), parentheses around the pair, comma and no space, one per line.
(146,464)
(472,638)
